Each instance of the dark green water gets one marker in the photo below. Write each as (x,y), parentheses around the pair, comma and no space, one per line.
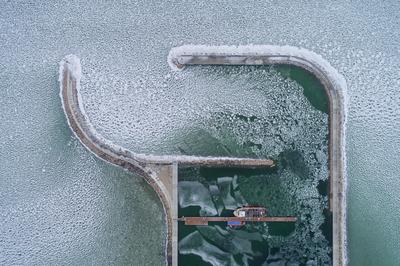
(297,139)
(218,191)
(312,87)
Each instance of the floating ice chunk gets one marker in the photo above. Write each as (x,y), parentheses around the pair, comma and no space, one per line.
(195,244)
(235,182)
(254,236)
(196,194)
(214,190)
(229,241)
(243,246)
(225,184)
(241,201)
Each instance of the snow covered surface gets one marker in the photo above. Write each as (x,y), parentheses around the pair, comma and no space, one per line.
(123,46)
(257,50)
(74,67)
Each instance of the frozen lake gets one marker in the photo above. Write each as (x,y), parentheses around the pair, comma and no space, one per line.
(61,205)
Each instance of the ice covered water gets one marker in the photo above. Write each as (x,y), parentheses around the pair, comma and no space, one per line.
(130,41)
(196,194)
(258,112)
(202,111)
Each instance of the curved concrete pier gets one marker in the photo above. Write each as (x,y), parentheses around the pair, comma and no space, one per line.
(159,171)
(78,122)
(335,87)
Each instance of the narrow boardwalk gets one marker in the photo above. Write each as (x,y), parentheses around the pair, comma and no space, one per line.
(205,220)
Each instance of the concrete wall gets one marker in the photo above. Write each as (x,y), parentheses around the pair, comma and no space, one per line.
(69,85)
(159,171)
(335,87)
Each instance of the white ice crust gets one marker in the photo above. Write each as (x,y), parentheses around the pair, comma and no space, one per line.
(256,50)
(338,81)
(74,66)
(72,62)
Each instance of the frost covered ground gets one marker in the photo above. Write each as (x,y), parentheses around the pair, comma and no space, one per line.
(46,173)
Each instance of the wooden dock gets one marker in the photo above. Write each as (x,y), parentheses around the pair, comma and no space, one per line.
(205,220)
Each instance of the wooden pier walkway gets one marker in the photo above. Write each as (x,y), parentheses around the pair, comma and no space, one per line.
(205,220)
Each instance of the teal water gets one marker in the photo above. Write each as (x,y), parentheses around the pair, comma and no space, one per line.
(59,204)
(46,173)
(310,84)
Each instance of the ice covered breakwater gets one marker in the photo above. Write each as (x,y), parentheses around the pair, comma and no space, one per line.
(335,87)
(161,171)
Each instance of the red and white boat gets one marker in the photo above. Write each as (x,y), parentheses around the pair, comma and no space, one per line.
(250,211)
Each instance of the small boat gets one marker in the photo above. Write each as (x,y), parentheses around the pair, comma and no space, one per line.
(250,211)
(236,223)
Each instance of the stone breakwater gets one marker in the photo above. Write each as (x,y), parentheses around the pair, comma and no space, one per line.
(161,171)
(70,73)
(158,171)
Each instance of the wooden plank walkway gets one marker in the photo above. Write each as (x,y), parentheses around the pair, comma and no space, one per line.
(205,220)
